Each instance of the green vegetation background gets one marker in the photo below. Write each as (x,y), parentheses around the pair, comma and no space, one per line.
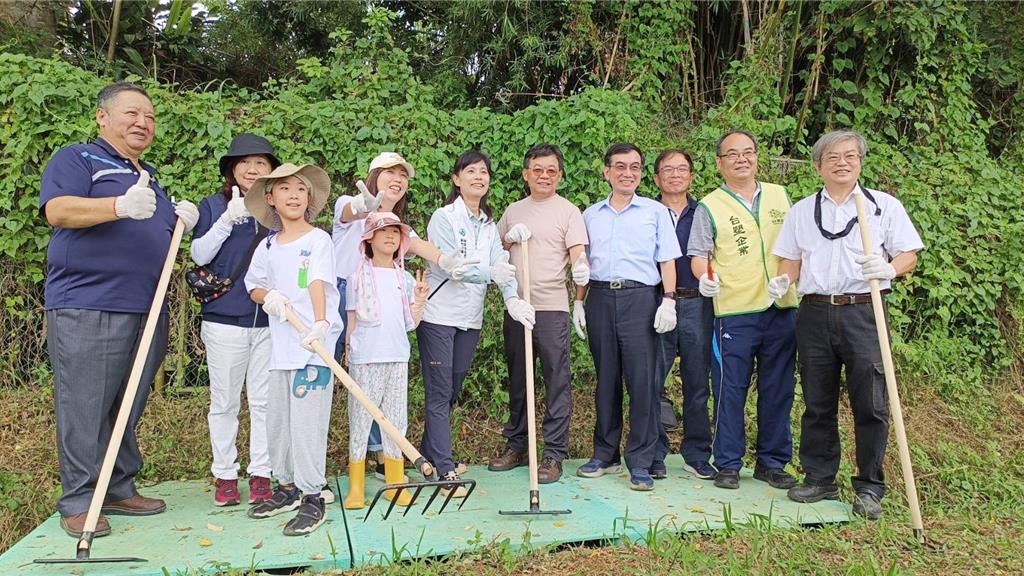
(930,84)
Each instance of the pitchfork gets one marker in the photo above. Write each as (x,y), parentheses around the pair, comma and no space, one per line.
(410,452)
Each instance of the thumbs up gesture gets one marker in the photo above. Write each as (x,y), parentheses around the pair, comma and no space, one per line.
(235,212)
(138,202)
(502,272)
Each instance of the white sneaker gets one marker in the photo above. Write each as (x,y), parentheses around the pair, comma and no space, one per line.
(327,495)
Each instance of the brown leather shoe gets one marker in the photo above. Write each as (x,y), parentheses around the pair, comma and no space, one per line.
(549,471)
(137,505)
(507,461)
(74,525)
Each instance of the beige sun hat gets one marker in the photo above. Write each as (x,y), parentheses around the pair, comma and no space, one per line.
(389,159)
(315,178)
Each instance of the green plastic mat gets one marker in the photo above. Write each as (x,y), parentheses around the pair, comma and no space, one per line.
(194,536)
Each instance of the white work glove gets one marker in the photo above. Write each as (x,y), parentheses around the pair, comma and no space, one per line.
(275,304)
(778,286)
(318,333)
(138,202)
(581,270)
(455,265)
(665,317)
(502,272)
(521,312)
(874,267)
(518,233)
(365,202)
(187,213)
(579,319)
(709,287)
(236,211)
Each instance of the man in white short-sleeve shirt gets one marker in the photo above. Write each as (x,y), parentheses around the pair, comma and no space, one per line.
(820,246)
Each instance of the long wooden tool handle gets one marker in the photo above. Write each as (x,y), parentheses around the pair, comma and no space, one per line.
(394,433)
(890,380)
(131,389)
(531,409)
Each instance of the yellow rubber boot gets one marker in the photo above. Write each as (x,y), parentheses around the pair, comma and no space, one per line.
(356,498)
(394,473)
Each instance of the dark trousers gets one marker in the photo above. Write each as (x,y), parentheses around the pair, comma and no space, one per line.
(769,338)
(445,356)
(829,338)
(91,354)
(551,343)
(691,342)
(620,331)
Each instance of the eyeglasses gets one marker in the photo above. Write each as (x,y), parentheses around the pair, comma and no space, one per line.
(734,155)
(550,172)
(622,167)
(850,158)
(673,170)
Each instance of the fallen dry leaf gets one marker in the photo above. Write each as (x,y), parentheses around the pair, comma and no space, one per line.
(205,542)
(317,556)
(258,545)
(214,528)
(182,528)
(559,523)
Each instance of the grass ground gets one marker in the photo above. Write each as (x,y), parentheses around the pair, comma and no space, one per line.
(969,463)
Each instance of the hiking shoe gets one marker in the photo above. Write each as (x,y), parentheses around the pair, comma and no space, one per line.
(550,470)
(137,505)
(775,477)
(311,515)
(868,505)
(507,461)
(259,489)
(459,489)
(808,493)
(640,480)
(280,502)
(227,493)
(74,525)
(728,479)
(701,469)
(327,495)
(658,470)
(461,467)
(595,468)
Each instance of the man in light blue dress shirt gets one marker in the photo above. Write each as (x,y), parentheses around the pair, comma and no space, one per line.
(632,252)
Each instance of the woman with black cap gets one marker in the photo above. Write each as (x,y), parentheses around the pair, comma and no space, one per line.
(234,328)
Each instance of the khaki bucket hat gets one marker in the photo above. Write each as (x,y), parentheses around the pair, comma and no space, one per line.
(315,178)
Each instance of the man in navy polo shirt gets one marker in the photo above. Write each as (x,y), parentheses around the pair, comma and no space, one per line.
(691,339)
(112,226)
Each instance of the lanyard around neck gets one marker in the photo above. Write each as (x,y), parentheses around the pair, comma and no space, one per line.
(849,225)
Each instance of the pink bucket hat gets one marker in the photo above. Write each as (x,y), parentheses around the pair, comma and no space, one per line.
(377,220)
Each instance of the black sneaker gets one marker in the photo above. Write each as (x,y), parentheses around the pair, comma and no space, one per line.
(728,479)
(459,489)
(809,493)
(868,505)
(658,470)
(775,477)
(282,501)
(310,516)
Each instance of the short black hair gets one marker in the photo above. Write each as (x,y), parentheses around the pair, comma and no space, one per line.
(621,148)
(543,151)
(467,158)
(665,154)
(111,91)
(730,132)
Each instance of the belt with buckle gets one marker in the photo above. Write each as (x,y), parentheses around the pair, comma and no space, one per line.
(842,299)
(618,284)
(687,292)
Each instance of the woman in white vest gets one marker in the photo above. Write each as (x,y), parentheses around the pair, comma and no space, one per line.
(450,329)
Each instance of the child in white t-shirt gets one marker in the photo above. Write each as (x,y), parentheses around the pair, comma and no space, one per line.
(384,304)
(294,270)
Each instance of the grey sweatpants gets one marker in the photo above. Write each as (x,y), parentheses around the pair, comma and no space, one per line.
(298,418)
(91,353)
(387,385)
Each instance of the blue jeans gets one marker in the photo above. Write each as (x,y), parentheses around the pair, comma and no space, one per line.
(374,443)
(691,342)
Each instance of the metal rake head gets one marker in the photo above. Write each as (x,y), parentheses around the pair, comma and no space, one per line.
(417,487)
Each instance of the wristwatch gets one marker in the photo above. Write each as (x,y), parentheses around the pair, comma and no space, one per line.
(671,295)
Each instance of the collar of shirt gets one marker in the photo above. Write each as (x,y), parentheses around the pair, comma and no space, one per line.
(691,205)
(752,205)
(109,149)
(849,197)
(607,203)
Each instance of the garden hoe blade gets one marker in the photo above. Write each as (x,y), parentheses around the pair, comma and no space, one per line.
(82,556)
(534,508)
(417,488)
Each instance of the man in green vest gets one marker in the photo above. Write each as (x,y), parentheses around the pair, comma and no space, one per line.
(730,247)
